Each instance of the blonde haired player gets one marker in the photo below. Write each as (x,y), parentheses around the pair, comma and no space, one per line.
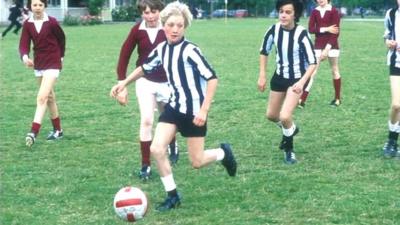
(193,85)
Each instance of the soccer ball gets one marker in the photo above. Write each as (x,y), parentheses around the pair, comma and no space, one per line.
(130,203)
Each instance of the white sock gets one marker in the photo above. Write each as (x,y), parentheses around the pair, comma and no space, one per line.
(220,154)
(393,127)
(289,131)
(168,182)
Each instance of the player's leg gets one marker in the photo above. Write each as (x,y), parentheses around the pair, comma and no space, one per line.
(57,132)
(274,105)
(46,86)
(162,137)
(336,79)
(147,102)
(390,148)
(289,129)
(200,157)
(310,82)
(163,93)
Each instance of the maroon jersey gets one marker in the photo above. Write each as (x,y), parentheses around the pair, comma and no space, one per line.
(139,37)
(48,44)
(317,21)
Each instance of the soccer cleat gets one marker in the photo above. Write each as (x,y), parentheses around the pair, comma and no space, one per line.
(171,202)
(229,161)
(173,152)
(284,142)
(55,135)
(30,139)
(145,173)
(336,102)
(290,157)
(390,149)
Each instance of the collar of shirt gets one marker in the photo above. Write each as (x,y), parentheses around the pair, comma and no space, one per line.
(45,18)
(328,7)
(142,26)
(177,43)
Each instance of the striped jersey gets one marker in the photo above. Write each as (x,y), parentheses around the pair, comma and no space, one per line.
(392,32)
(294,50)
(187,72)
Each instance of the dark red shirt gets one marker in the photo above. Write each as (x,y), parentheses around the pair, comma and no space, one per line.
(316,22)
(139,37)
(48,44)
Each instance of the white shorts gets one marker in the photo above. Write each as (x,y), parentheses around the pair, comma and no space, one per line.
(333,53)
(160,90)
(50,72)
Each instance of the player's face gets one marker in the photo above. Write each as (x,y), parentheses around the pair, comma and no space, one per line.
(322,3)
(151,17)
(37,8)
(287,16)
(174,28)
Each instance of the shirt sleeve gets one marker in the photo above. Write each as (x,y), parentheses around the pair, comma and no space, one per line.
(335,20)
(200,64)
(308,48)
(388,33)
(60,36)
(268,41)
(313,28)
(125,54)
(25,41)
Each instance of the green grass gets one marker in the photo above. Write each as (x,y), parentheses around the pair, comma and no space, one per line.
(341,177)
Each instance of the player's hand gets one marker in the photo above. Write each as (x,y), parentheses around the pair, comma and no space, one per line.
(391,44)
(200,119)
(298,87)
(333,29)
(324,55)
(122,97)
(261,83)
(29,63)
(116,89)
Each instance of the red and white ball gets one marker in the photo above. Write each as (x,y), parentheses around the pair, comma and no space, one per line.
(130,203)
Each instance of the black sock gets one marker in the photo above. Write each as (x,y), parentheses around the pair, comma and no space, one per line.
(393,136)
(172,193)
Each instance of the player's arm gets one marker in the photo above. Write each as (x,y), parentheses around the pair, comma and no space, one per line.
(136,74)
(262,77)
(201,117)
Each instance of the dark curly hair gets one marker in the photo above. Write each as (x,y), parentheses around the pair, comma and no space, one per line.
(297,5)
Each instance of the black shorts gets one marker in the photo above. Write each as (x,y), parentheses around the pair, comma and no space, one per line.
(394,71)
(183,122)
(280,84)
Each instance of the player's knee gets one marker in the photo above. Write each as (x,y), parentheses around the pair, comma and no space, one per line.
(271,117)
(396,106)
(156,150)
(196,164)
(42,99)
(146,122)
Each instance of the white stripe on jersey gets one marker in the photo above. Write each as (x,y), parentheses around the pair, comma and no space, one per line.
(187,72)
(294,50)
(393,57)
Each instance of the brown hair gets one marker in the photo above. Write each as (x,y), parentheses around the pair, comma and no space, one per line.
(152,4)
(28,5)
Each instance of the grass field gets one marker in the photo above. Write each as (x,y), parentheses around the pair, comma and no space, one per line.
(341,177)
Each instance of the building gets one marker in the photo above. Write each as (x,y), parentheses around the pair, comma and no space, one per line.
(60,8)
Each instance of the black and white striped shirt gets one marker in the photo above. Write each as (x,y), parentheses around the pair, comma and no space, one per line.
(392,32)
(187,72)
(294,50)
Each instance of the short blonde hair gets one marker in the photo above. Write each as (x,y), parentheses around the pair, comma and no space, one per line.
(176,9)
